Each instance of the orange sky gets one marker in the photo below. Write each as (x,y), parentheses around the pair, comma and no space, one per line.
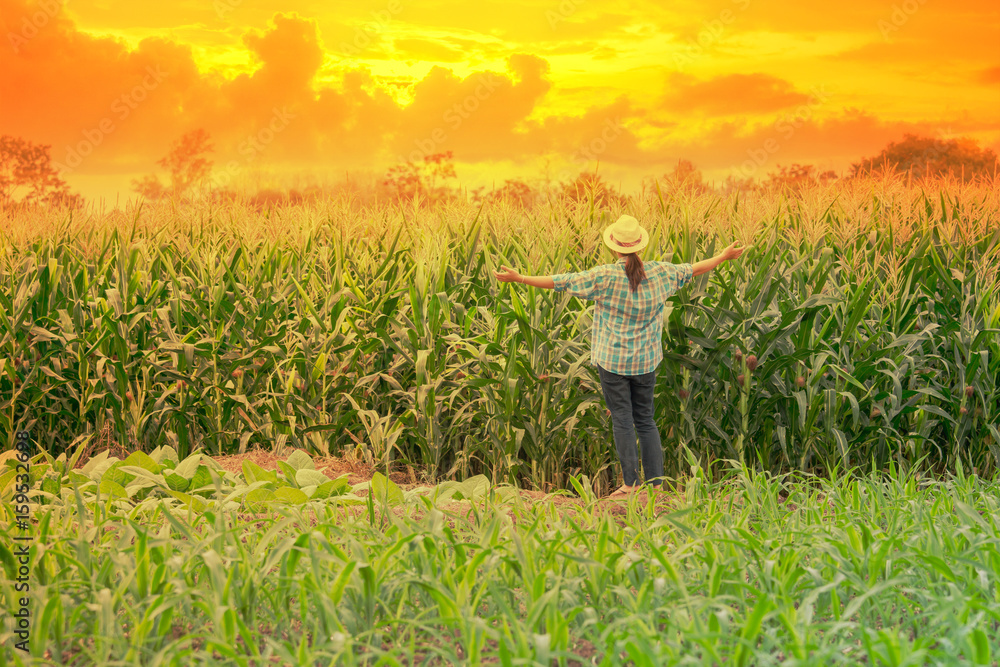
(312,88)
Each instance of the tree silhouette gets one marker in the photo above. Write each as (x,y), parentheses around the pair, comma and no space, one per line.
(926,157)
(150,187)
(685,176)
(734,183)
(27,167)
(589,186)
(410,179)
(798,176)
(187,164)
(514,191)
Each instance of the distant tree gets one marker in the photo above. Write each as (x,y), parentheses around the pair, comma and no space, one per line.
(187,161)
(736,184)
(187,164)
(798,176)
(926,157)
(150,187)
(516,192)
(794,177)
(685,176)
(437,169)
(222,195)
(270,198)
(425,179)
(828,176)
(590,187)
(26,170)
(404,181)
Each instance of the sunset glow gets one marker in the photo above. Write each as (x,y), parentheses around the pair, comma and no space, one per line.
(306,89)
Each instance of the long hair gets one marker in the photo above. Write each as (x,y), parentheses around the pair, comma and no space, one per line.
(633,269)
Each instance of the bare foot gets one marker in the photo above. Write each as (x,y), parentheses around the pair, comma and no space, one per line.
(623,492)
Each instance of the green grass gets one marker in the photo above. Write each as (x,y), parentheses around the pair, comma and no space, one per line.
(750,570)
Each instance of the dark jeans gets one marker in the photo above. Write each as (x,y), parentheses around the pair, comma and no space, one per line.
(630,399)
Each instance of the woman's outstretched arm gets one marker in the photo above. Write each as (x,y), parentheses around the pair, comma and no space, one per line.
(509,275)
(706,265)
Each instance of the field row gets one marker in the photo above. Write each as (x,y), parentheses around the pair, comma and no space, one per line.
(835,342)
(752,569)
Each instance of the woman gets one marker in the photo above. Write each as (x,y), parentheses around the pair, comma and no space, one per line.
(627,334)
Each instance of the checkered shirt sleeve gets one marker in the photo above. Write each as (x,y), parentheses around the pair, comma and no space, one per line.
(627,333)
(588,284)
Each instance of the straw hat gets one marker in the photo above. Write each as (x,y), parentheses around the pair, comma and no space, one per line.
(626,235)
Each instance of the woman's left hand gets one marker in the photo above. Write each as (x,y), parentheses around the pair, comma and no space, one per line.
(508,275)
(732,252)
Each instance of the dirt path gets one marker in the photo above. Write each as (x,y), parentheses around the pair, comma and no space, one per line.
(357,472)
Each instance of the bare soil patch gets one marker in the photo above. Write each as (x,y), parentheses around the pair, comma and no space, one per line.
(358,472)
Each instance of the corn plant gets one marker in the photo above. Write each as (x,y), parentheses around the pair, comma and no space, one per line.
(860,329)
(260,567)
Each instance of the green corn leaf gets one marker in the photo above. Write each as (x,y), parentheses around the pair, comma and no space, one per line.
(385,490)
(257,499)
(177,483)
(287,494)
(288,471)
(112,489)
(142,460)
(253,473)
(299,460)
(308,477)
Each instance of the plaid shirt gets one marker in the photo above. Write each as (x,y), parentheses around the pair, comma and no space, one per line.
(628,326)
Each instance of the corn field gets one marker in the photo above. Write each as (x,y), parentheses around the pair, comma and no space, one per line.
(861,329)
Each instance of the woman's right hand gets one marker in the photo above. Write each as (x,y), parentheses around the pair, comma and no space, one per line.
(508,275)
